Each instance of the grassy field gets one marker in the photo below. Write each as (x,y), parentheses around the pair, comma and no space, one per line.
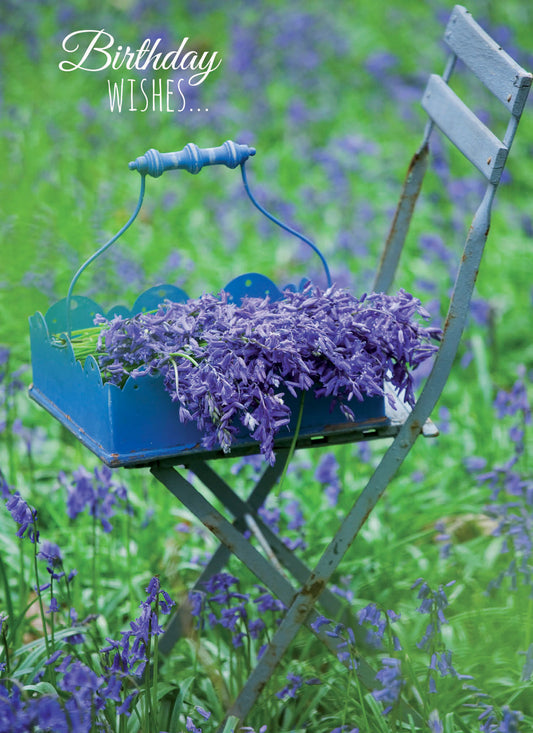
(330,100)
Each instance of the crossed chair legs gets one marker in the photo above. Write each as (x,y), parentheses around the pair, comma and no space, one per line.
(269,570)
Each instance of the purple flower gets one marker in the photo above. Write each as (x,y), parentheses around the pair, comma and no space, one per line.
(50,716)
(202,712)
(190,726)
(124,707)
(290,690)
(24,515)
(376,622)
(79,677)
(54,559)
(99,492)
(391,683)
(129,656)
(218,588)
(227,364)
(320,621)
(435,723)
(511,720)
(266,602)
(327,473)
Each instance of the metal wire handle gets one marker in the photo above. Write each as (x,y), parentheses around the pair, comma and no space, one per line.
(192,159)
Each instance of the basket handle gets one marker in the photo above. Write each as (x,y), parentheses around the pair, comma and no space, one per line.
(191,158)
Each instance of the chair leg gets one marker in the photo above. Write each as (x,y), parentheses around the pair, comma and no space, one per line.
(300,604)
(180,620)
(333,607)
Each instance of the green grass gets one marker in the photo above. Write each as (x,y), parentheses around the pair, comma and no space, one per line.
(66,189)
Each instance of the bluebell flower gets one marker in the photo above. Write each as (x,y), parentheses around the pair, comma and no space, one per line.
(375,622)
(474,463)
(190,726)
(24,515)
(346,652)
(433,603)
(32,438)
(124,707)
(204,713)
(231,616)
(129,655)
(444,538)
(256,627)
(327,473)
(79,677)
(319,622)
(54,559)
(54,606)
(435,723)
(346,593)
(391,681)
(291,689)
(267,602)
(218,587)
(99,492)
(511,720)
(196,601)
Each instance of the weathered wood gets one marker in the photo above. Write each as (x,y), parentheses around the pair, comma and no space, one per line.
(464,129)
(505,78)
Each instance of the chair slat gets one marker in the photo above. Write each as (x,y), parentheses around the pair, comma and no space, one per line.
(506,79)
(464,129)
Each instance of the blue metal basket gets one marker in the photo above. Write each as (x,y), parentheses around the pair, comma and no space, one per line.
(138,423)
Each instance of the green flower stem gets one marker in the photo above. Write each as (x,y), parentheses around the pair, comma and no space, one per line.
(7,590)
(155,681)
(529,622)
(155,677)
(6,648)
(293,443)
(355,677)
(49,650)
(94,567)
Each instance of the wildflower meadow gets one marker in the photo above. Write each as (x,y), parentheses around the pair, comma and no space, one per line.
(95,561)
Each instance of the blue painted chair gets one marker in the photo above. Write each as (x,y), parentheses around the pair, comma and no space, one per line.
(265,554)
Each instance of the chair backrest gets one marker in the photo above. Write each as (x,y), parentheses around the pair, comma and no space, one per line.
(507,81)
(510,84)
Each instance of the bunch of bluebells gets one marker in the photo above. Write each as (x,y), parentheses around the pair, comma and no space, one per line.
(222,605)
(52,555)
(378,623)
(84,693)
(100,492)
(493,719)
(49,713)
(227,363)
(433,603)
(294,685)
(512,488)
(129,656)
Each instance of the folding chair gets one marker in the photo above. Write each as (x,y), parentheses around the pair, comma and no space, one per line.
(510,84)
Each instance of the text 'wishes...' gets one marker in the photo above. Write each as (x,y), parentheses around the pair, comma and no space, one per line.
(95,51)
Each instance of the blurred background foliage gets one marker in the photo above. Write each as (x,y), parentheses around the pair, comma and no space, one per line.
(328,97)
